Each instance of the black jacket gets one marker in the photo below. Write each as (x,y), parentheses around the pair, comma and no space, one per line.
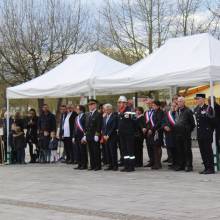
(31,134)
(19,141)
(110,129)
(140,124)
(184,122)
(72,119)
(47,122)
(158,117)
(53,144)
(78,133)
(126,122)
(93,125)
(205,122)
(62,119)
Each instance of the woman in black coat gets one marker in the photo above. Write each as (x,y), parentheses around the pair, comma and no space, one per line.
(139,136)
(31,135)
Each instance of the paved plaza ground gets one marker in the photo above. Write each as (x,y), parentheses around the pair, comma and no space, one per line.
(58,192)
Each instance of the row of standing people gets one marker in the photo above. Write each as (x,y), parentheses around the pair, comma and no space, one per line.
(101,134)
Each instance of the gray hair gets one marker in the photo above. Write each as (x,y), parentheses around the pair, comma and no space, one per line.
(108,106)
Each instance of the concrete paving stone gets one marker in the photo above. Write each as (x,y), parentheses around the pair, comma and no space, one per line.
(57,191)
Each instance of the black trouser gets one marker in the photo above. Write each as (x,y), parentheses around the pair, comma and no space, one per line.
(68,146)
(82,157)
(20,154)
(173,153)
(206,151)
(112,154)
(127,144)
(94,154)
(138,151)
(184,151)
(150,148)
(31,151)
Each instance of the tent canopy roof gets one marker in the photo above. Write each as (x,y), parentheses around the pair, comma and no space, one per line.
(73,77)
(183,61)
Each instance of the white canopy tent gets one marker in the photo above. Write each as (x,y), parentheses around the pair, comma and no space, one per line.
(73,77)
(184,61)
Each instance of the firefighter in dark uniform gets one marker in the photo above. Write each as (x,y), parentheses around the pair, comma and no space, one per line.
(126,131)
(205,126)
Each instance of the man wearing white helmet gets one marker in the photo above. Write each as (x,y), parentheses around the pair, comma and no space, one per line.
(126,131)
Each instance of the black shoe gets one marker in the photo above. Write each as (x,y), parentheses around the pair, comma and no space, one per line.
(209,172)
(83,168)
(97,168)
(109,168)
(124,170)
(179,168)
(189,169)
(202,172)
(91,168)
(120,164)
(148,165)
(77,168)
(115,169)
(166,161)
(131,170)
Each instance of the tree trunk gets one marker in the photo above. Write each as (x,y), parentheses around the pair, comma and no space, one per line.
(40,104)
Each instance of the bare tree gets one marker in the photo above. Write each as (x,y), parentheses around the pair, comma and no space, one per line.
(37,35)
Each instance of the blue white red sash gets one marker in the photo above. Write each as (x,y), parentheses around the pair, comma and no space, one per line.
(171,118)
(78,124)
(149,117)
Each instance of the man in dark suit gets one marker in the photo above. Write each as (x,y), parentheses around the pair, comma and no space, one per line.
(183,128)
(217,122)
(79,132)
(68,129)
(92,135)
(109,132)
(46,121)
(63,113)
(149,137)
(205,127)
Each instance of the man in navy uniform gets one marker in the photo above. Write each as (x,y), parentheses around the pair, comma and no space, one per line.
(126,131)
(92,135)
(205,126)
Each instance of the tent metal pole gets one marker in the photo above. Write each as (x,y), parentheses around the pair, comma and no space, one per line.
(215,151)
(89,93)
(94,94)
(8,156)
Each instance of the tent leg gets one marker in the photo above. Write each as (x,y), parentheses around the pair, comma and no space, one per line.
(214,147)
(89,94)
(8,156)
(94,94)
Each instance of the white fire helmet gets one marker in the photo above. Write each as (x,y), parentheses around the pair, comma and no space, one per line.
(122,99)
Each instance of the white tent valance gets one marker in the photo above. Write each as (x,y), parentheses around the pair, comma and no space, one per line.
(73,77)
(183,61)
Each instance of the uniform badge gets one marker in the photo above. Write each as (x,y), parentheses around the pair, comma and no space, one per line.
(126,115)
